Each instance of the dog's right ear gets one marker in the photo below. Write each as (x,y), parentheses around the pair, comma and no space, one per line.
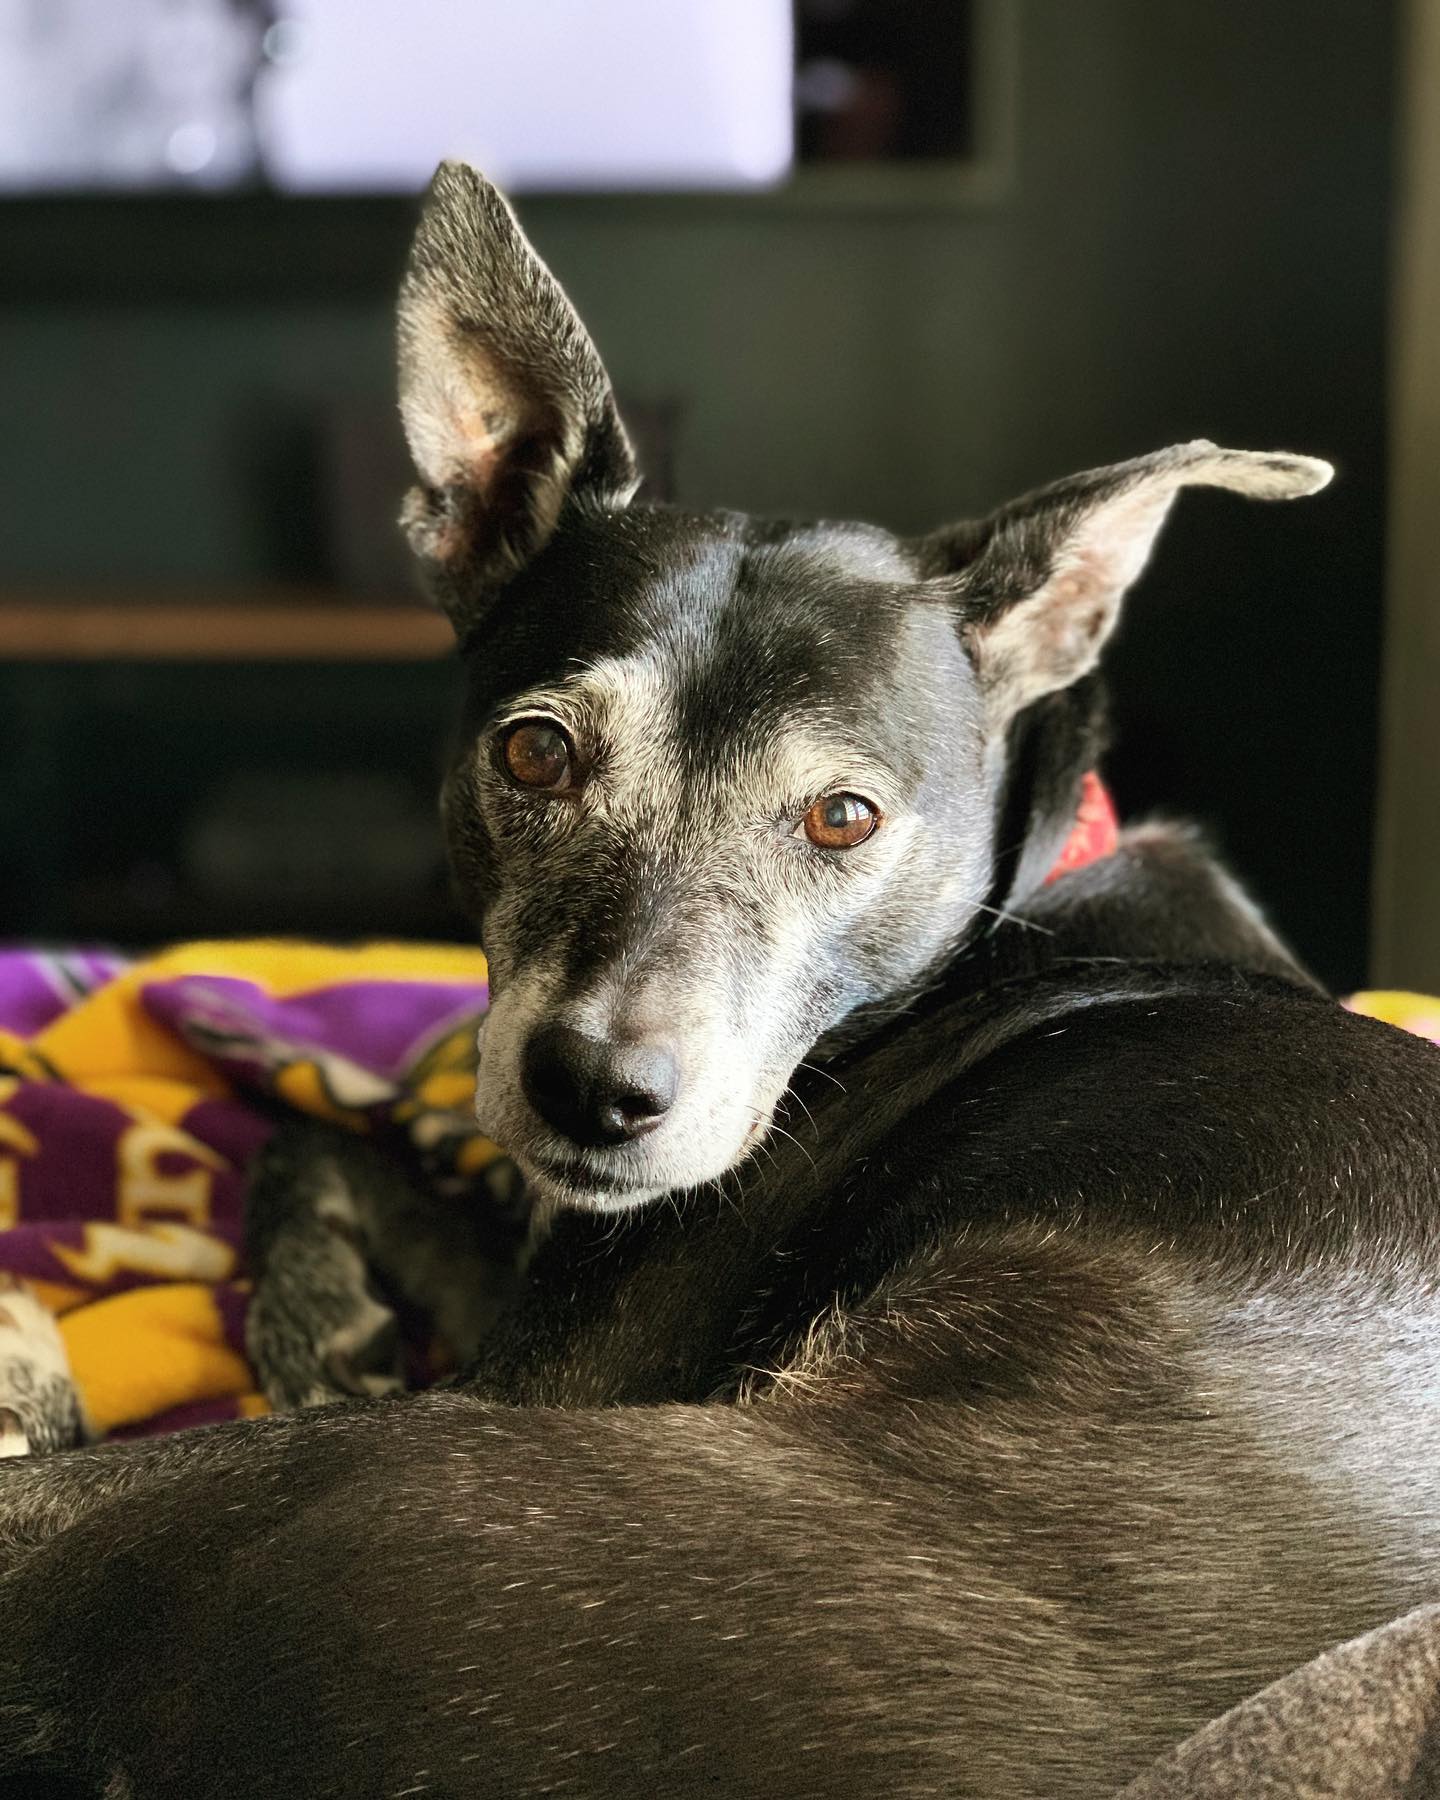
(1039,584)
(506,406)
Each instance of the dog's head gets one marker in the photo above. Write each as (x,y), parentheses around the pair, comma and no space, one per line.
(724,785)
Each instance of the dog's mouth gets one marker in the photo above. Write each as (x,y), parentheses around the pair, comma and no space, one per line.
(571,1181)
(582,1180)
(574,1173)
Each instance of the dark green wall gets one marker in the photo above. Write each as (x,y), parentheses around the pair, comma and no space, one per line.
(1195,244)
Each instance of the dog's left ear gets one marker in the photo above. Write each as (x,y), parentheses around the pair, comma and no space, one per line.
(1039,583)
(506,406)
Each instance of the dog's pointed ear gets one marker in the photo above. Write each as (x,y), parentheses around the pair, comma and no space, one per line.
(1039,583)
(506,406)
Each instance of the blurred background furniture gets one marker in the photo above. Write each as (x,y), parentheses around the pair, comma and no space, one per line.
(1139,221)
(1406,884)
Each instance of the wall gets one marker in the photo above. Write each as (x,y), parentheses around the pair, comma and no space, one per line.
(1195,244)
(1407,874)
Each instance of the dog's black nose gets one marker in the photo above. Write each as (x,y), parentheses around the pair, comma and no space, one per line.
(597,1092)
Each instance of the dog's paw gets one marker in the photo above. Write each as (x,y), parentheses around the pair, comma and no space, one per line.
(14,1439)
(317,1331)
(315,1355)
(365,1356)
(39,1405)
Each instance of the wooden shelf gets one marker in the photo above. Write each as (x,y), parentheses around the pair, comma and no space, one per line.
(305,626)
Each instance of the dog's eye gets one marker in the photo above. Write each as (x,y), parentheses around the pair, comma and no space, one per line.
(537,754)
(840,821)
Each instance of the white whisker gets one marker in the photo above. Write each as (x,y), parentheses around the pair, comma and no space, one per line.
(1009,918)
(818,1069)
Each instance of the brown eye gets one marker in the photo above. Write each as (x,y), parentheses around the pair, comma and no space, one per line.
(840,821)
(537,755)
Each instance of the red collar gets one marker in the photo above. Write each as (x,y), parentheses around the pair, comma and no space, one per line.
(1095,833)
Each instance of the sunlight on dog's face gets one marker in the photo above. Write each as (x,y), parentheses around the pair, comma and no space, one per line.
(717,795)
(724,784)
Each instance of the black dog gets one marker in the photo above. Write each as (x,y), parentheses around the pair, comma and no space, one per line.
(1032,1349)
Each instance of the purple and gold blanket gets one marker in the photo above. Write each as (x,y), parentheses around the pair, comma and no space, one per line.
(132,1096)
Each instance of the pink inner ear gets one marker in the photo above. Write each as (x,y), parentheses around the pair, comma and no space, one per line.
(461,406)
(484,418)
(1076,606)
(1053,637)
(1110,548)
(484,446)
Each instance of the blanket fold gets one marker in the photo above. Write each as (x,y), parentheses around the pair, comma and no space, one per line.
(132,1098)
(1360,1722)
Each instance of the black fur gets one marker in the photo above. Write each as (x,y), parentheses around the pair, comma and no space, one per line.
(1059,1368)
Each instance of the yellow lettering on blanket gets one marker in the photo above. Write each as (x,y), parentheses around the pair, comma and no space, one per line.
(145,1188)
(141,1353)
(15,1141)
(166,1252)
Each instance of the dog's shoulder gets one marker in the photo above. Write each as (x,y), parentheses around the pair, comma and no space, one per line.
(1133,1063)
(1164,895)
(1220,1117)
(1065,1209)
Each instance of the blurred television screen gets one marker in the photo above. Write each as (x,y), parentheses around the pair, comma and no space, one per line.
(335,95)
